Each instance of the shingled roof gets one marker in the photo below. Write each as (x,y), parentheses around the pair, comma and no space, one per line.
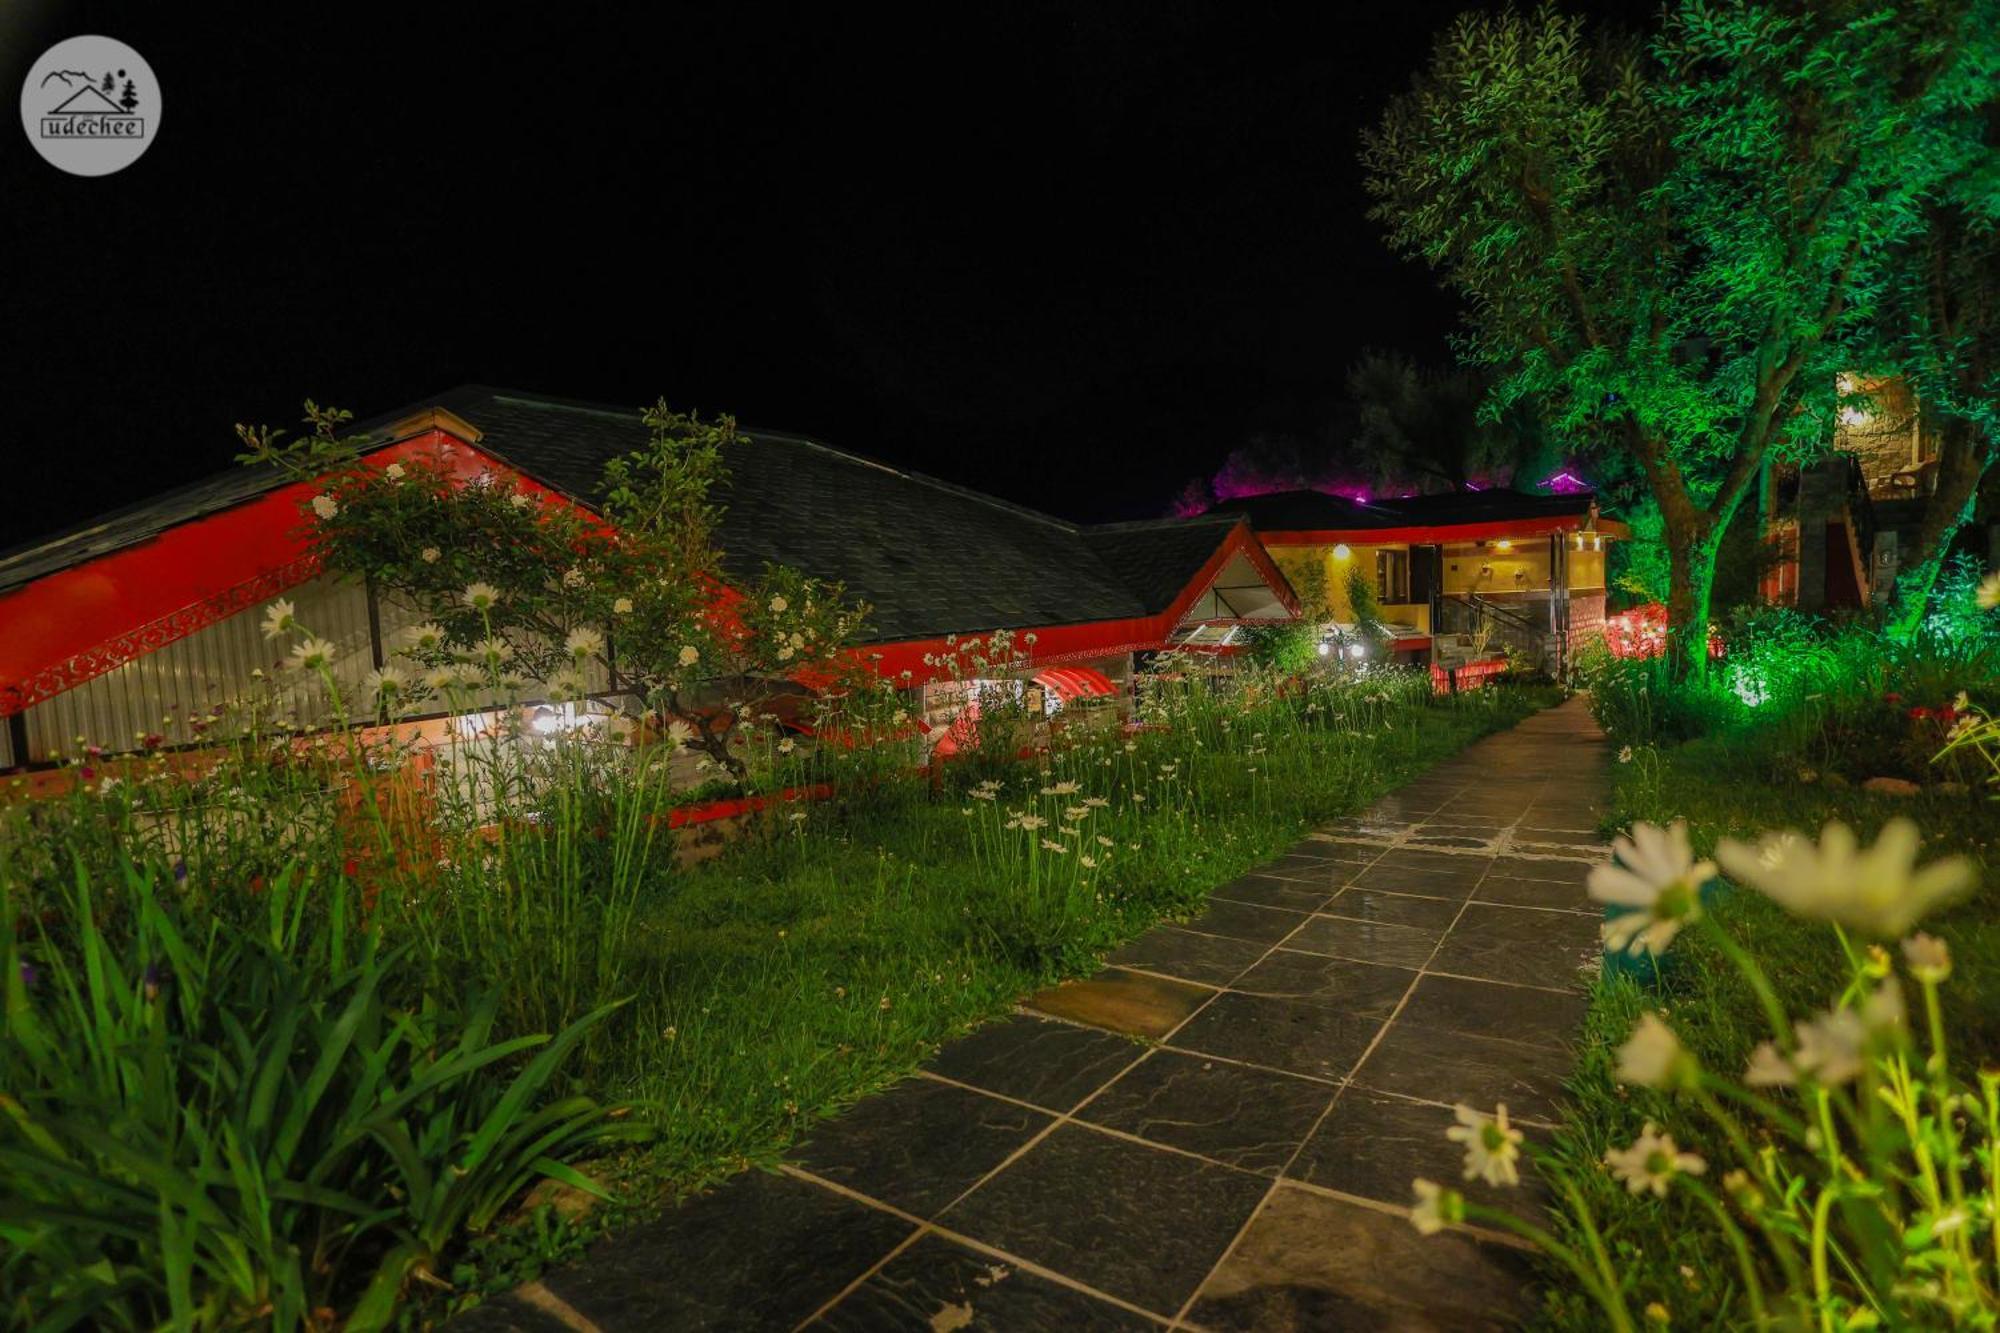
(931,558)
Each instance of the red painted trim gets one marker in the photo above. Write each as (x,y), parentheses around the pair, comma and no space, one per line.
(1444,532)
(76,624)
(709,811)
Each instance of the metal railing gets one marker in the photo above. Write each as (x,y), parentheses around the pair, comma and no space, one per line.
(1470,613)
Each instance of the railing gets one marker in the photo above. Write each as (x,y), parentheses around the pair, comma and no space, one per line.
(1470,613)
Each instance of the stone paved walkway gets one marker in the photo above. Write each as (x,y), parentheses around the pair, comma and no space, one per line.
(1218,1131)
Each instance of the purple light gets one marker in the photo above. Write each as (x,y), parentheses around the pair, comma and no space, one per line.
(1565,483)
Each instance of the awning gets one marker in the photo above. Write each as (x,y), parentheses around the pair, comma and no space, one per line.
(1071,683)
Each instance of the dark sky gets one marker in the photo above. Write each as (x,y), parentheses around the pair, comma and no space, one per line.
(1071,254)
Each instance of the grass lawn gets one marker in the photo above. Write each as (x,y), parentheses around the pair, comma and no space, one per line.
(1669,1249)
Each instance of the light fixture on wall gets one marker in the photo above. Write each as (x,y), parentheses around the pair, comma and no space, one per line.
(1340,552)
(1503,545)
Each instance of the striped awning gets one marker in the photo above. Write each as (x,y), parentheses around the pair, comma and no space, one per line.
(1076,683)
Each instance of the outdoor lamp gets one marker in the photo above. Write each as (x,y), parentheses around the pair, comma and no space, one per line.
(1340,552)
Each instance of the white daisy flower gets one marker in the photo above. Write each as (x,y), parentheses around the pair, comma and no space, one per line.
(1769,1068)
(679,732)
(520,500)
(311,655)
(1492,1147)
(1831,1046)
(430,555)
(567,684)
(1660,880)
(779,605)
(427,637)
(480,596)
(1435,1208)
(279,618)
(385,685)
(690,655)
(1651,1162)
(583,641)
(1929,958)
(623,606)
(1879,892)
(325,506)
(1653,1057)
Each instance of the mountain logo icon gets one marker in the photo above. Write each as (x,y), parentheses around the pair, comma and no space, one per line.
(90,105)
(87,101)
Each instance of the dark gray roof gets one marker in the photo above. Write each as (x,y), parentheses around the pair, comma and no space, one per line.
(1159,559)
(931,558)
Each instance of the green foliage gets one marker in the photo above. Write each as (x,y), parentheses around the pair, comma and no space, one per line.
(214,1114)
(1846,701)
(1366,611)
(1290,646)
(1671,247)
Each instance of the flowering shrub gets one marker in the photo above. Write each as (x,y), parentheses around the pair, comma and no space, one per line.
(1641,632)
(526,594)
(1862,1186)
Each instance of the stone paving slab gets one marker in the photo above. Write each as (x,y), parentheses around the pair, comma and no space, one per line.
(1217,1131)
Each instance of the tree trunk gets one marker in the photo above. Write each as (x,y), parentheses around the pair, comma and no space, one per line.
(1692,538)
(1963,457)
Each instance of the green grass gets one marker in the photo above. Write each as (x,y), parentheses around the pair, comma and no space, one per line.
(1669,1250)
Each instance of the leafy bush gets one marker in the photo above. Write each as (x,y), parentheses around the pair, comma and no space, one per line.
(1817,697)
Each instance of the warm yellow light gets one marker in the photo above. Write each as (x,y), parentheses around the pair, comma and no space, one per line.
(1341,552)
(1503,545)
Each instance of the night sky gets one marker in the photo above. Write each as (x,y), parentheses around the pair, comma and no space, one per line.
(1071,254)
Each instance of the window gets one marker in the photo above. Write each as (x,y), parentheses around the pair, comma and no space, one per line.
(1392,577)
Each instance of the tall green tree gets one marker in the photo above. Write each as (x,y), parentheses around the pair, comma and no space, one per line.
(1943,335)
(1672,244)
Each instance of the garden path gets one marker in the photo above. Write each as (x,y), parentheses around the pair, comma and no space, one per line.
(1218,1131)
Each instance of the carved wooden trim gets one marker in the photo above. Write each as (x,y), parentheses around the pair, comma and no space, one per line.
(116,652)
